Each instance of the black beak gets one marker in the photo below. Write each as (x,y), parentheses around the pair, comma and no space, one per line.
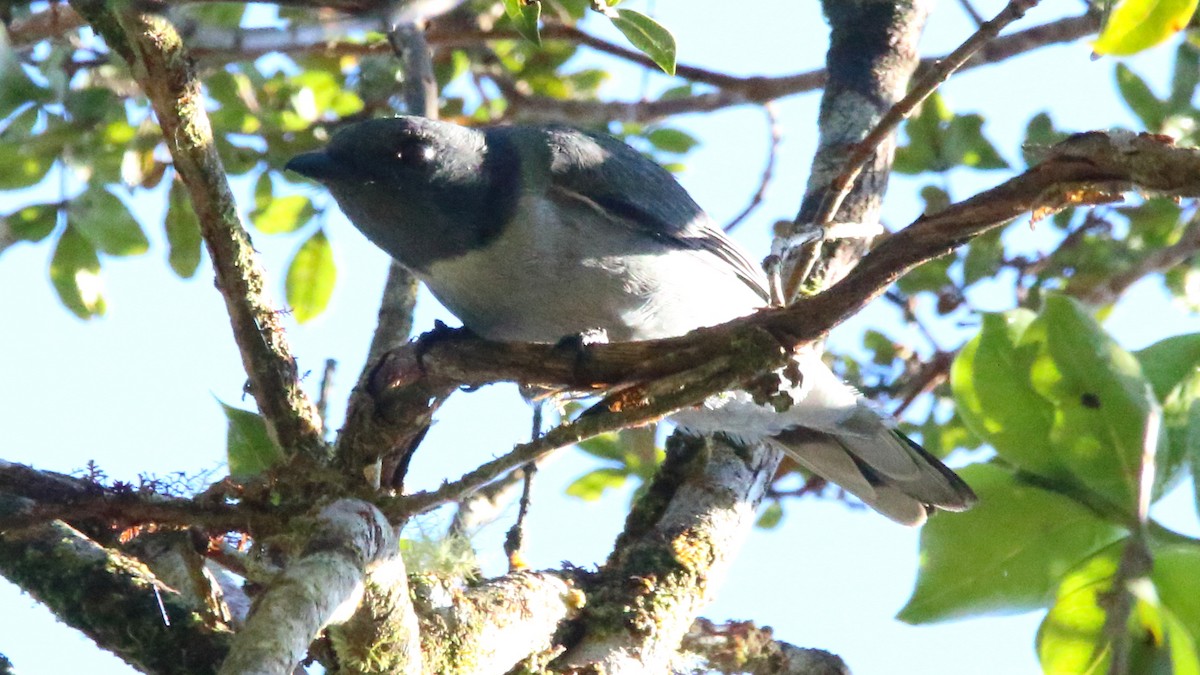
(318,166)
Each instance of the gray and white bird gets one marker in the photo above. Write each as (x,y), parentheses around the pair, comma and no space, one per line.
(536,233)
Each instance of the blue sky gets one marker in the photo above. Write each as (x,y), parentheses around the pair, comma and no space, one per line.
(135,390)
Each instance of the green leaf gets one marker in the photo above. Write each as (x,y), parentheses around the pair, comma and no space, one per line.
(936,199)
(882,347)
(249,448)
(237,159)
(672,140)
(650,37)
(591,485)
(966,145)
(771,516)
(984,256)
(605,446)
(311,277)
(1184,79)
(1170,361)
(33,223)
(1101,398)
(1140,99)
(17,89)
(1074,637)
(992,392)
(930,276)
(524,16)
(105,220)
(183,232)
(89,107)
(675,93)
(1067,639)
(1176,575)
(283,214)
(1154,223)
(923,151)
(1135,25)
(75,274)
(22,166)
(1006,554)
(1040,134)
(1057,397)
(1188,438)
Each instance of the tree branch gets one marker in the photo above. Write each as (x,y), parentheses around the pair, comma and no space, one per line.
(224,45)
(111,598)
(320,587)
(1108,291)
(58,496)
(741,647)
(678,544)
(499,623)
(925,85)
(161,65)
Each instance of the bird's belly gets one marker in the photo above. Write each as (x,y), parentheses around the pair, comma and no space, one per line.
(628,296)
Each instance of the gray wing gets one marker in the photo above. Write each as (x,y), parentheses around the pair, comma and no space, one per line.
(614,176)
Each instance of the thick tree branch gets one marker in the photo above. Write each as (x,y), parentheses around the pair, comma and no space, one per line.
(741,647)
(925,85)
(872,54)
(322,586)
(678,544)
(161,65)
(58,496)
(492,626)
(111,598)
(383,635)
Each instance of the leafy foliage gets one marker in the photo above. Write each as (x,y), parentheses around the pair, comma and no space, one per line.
(1069,414)
(1135,25)
(1062,406)
(249,447)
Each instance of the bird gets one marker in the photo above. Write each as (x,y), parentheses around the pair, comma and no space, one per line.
(536,233)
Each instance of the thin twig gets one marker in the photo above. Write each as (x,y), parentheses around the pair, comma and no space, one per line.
(326,387)
(732,90)
(967,7)
(514,543)
(775,135)
(926,84)
(1136,558)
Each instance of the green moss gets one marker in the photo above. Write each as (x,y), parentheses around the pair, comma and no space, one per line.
(112,599)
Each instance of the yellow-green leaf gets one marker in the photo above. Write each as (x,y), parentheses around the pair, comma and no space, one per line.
(33,223)
(310,278)
(1135,25)
(75,274)
(105,220)
(1008,554)
(648,35)
(183,232)
(282,214)
(524,15)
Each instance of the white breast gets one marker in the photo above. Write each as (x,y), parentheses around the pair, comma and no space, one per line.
(561,278)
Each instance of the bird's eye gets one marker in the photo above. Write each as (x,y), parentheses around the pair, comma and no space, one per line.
(415,153)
